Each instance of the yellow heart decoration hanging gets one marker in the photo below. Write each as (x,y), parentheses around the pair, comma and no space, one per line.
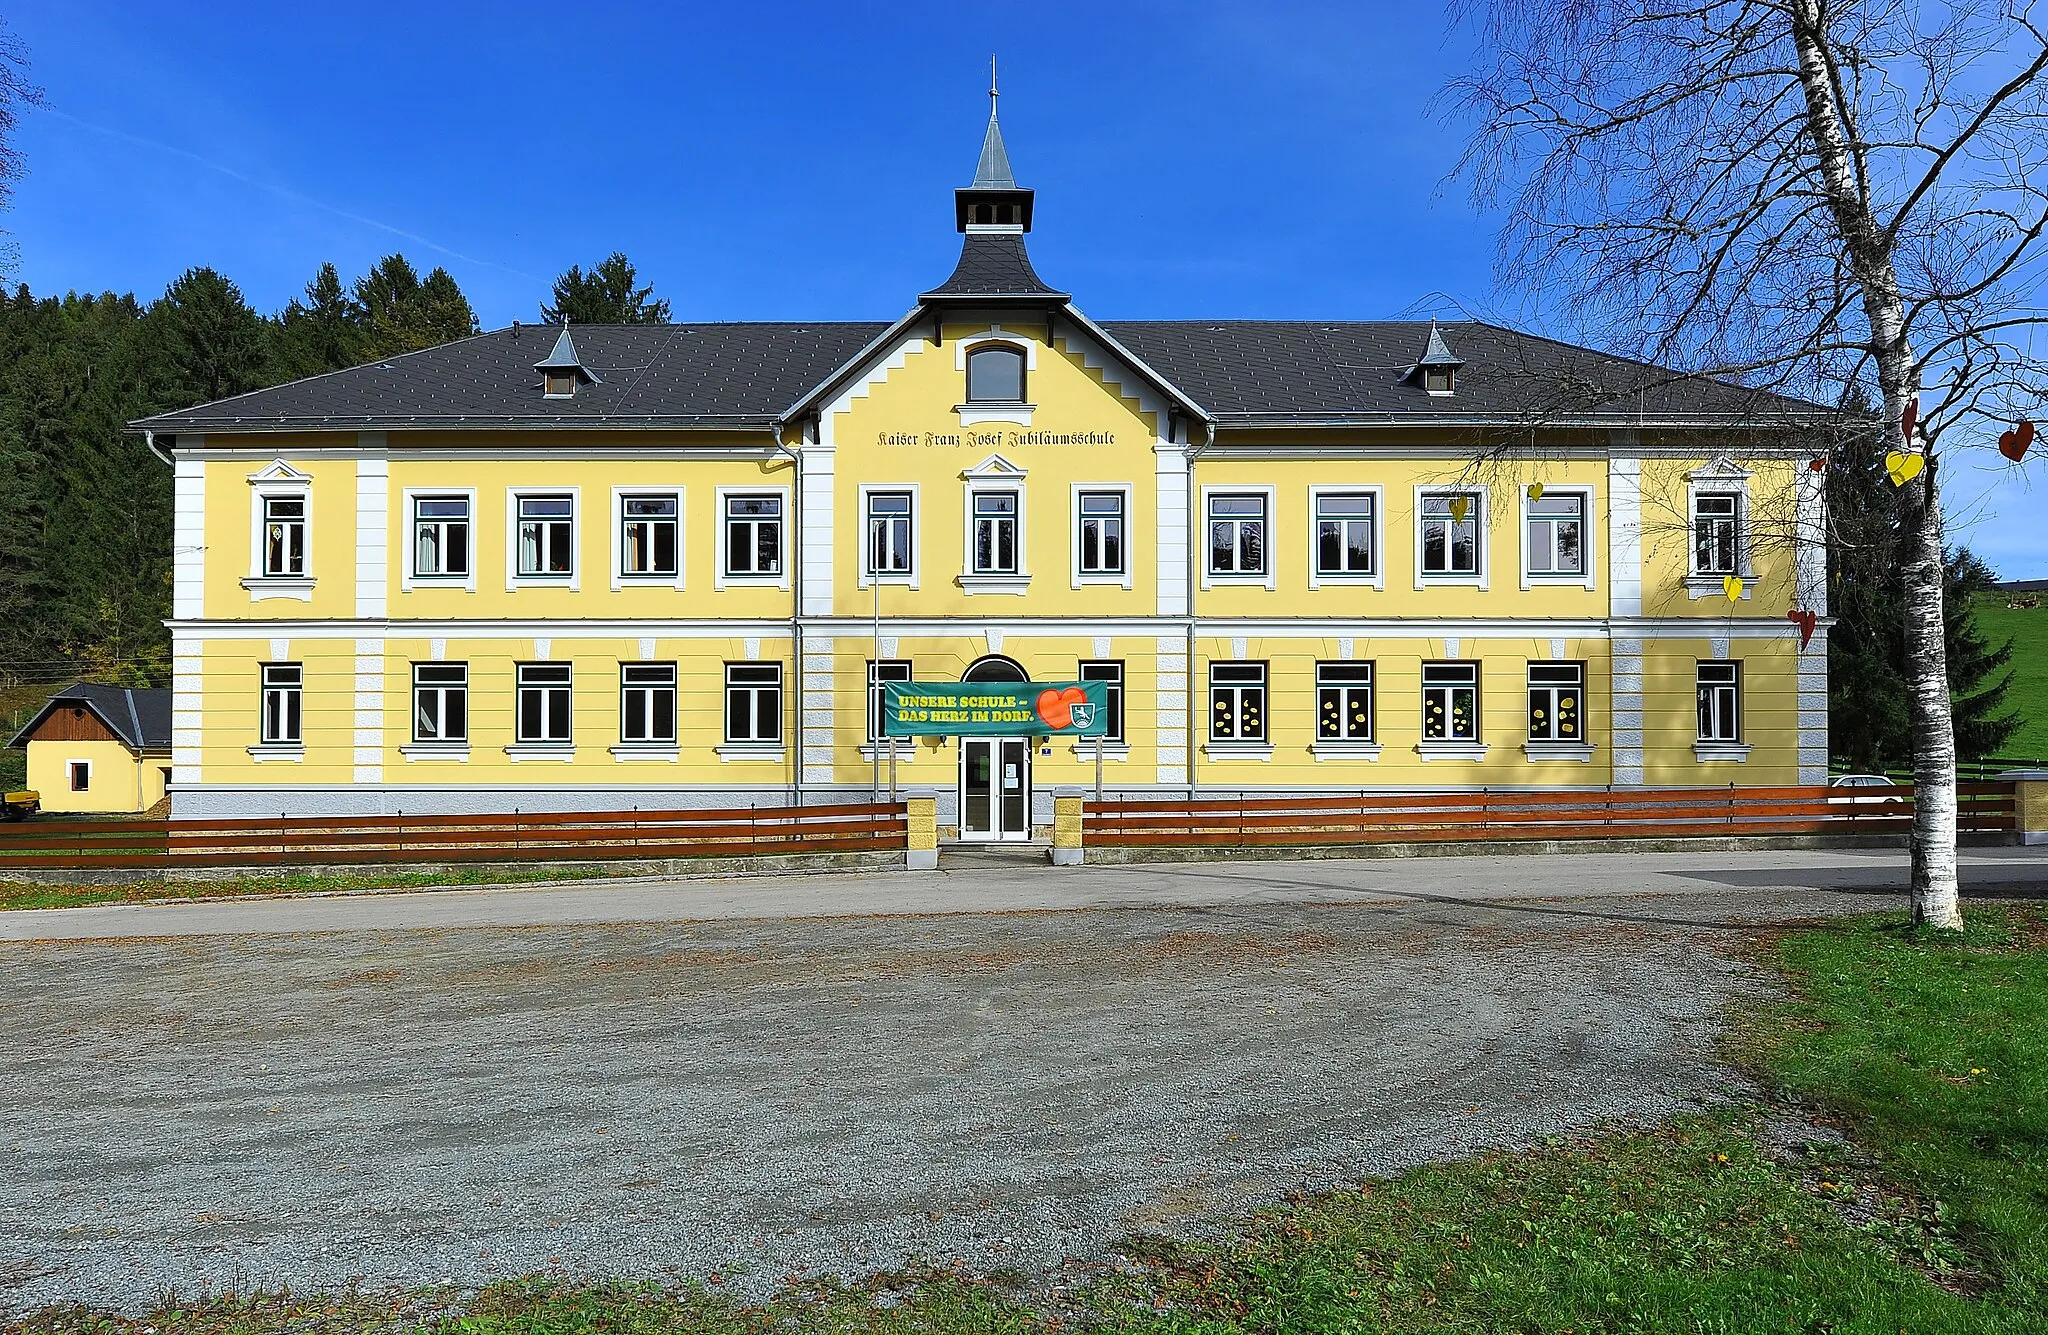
(1902,468)
(1460,507)
(1733,586)
(1535,491)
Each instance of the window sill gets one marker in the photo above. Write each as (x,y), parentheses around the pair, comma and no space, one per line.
(903,578)
(1450,750)
(1450,579)
(647,582)
(1556,579)
(278,586)
(1732,753)
(1232,580)
(1016,413)
(751,582)
(1540,751)
(1350,579)
(518,582)
(293,753)
(435,751)
(752,751)
(1710,586)
(1238,750)
(973,584)
(1087,748)
(541,751)
(666,751)
(1339,748)
(904,747)
(1088,579)
(466,583)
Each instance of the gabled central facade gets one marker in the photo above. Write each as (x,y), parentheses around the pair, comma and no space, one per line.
(608,567)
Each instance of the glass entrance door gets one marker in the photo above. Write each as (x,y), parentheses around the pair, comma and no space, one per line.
(995,788)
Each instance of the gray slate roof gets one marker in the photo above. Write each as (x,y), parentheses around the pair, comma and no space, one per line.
(139,717)
(1243,372)
(995,264)
(993,171)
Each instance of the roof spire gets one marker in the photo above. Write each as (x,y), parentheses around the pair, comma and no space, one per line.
(993,171)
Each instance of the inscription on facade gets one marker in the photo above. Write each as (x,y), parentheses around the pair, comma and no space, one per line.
(1009,438)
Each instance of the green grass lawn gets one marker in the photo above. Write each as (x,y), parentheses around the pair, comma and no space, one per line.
(2027,628)
(1934,1218)
(37,895)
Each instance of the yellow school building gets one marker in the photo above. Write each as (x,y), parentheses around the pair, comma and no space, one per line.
(664,566)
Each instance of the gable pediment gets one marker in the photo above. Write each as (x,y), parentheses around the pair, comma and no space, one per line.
(277,470)
(995,466)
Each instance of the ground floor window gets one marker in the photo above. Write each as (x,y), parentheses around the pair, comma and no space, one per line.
(881,671)
(1111,674)
(1557,702)
(81,775)
(283,700)
(1344,702)
(1720,702)
(647,702)
(440,702)
(1450,702)
(753,702)
(544,702)
(1237,702)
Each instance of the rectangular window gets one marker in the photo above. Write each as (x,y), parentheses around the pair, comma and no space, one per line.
(1557,702)
(1237,702)
(888,526)
(995,532)
(1344,537)
(1344,702)
(886,670)
(284,536)
(81,775)
(1720,699)
(647,540)
(440,535)
(1450,702)
(1715,536)
(753,702)
(1557,531)
(1111,674)
(547,528)
(647,702)
(1237,535)
(440,702)
(753,535)
(544,702)
(1450,544)
(1102,532)
(283,696)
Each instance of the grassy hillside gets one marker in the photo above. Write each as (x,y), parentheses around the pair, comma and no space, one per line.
(2027,628)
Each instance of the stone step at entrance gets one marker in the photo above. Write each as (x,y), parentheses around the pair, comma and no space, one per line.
(958,856)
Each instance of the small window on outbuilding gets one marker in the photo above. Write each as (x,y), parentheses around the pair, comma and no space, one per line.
(81,775)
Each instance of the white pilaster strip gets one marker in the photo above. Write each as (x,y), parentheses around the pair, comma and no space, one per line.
(187,707)
(817,708)
(1625,537)
(369,721)
(1810,538)
(1171,467)
(1813,709)
(1625,729)
(373,525)
(814,544)
(188,537)
(1173,709)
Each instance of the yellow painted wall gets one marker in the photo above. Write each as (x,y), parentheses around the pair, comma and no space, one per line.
(121,781)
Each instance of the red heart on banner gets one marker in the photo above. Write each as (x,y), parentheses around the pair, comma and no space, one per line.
(1805,620)
(1057,707)
(2009,446)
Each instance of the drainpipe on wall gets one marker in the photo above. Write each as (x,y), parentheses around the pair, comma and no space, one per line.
(1195,521)
(792,556)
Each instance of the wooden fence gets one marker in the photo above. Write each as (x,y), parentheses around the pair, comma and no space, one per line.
(1984,808)
(520,837)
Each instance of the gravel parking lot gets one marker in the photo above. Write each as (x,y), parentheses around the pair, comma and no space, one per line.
(784,1096)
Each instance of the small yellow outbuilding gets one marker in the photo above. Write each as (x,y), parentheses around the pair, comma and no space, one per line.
(100,748)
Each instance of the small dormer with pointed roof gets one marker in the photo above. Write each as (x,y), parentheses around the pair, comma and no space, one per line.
(1437,369)
(562,371)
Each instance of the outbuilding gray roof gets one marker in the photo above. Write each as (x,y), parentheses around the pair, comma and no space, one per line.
(139,717)
(1240,372)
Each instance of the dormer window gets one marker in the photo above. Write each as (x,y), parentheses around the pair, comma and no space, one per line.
(1437,369)
(563,370)
(561,384)
(995,374)
(1439,379)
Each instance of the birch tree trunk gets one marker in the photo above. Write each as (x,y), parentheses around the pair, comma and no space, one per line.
(1935,898)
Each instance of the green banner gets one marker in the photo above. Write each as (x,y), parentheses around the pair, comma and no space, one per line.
(995,709)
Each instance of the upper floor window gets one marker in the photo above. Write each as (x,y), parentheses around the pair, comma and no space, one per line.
(889,532)
(1716,533)
(995,532)
(283,700)
(753,535)
(1557,534)
(1101,522)
(440,535)
(1450,533)
(547,535)
(1557,703)
(648,536)
(1720,702)
(995,374)
(284,536)
(1344,533)
(1237,535)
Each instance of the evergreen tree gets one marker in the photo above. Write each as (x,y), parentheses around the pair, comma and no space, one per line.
(609,294)
(210,344)
(319,334)
(397,313)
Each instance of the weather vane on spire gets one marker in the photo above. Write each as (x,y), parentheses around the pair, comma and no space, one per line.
(992,93)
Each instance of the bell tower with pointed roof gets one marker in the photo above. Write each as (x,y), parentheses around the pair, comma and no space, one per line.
(994,202)
(994,213)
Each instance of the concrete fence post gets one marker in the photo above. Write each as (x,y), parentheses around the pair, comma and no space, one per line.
(2030,791)
(921,852)
(1066,829)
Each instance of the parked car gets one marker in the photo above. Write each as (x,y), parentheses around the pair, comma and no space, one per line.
(20,805)
(1865,790)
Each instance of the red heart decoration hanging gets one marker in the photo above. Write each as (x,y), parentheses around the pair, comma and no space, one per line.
(1818,464)
(1910,418)
(2009,446)
(1806,621)
(1057,707)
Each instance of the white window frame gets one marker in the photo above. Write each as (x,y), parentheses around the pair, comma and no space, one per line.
(752,748)
(1721,477)
(650,688)
(1269,579)
(71,768)
(620,578)
(1083,578)
(1116,687)
(1377,579)
(573,581)
(1449,747)
(911,577)
(444,743)
(723,577)
(1578,748)
(1238,747)
(519,690)
(1016,413)
(296,690)
(1482,535)
(1586,578)
(278,481)
(1727,749)
(902,746)
(407,580)
(1359,748)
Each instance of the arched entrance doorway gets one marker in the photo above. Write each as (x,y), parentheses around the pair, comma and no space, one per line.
(995,772)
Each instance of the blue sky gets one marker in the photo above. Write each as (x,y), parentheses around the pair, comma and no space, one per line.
(775,161)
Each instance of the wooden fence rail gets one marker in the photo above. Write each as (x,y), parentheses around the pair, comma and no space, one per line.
(520,836)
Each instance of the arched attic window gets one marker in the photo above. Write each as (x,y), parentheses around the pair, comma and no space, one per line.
(995,374)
